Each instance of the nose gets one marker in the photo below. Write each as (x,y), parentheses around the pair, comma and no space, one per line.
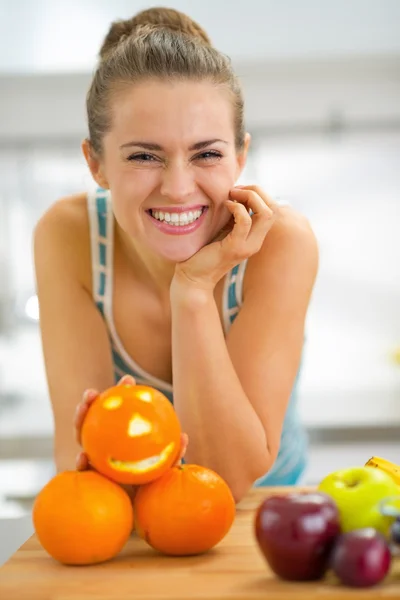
(178,182)
(139,426)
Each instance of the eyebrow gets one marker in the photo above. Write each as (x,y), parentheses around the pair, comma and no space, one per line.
(157,147)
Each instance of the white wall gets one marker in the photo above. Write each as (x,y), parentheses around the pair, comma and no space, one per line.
(64,36)
(277,94)
(348,185)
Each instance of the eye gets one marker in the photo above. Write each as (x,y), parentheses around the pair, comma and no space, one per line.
(209,156)
(144,396)
(142,157)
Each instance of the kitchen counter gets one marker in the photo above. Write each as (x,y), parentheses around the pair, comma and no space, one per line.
(232,570)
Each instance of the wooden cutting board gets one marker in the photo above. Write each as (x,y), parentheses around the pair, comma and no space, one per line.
(234,569)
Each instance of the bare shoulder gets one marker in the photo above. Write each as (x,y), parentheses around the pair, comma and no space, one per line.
(64,214)
(61,236)
(291,230)
(290,251)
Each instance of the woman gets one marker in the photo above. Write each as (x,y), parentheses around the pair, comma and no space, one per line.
(169,272)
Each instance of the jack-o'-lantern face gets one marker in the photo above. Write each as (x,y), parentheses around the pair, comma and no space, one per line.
(131,434)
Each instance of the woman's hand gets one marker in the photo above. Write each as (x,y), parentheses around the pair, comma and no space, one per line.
(241,238)
(82,461)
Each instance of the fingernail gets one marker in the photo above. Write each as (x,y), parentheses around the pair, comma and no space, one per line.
(88,394)
(127,379)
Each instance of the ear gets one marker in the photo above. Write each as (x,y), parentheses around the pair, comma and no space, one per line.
(242,155)
(94,163)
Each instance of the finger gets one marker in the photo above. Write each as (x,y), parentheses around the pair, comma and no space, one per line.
(262,218)
(243,222)
(127,380)
(81,412)
(89,396)
(82,462)
(184,444)
(253,201)
(79,417)
(183,448)
(274,206)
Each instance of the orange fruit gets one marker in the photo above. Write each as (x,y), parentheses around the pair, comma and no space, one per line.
(81,517)
(188,510)
(131,434)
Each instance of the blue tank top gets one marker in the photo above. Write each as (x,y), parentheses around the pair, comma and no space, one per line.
(291,460)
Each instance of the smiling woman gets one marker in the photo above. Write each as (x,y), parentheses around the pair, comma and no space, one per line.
(171,273)
(162,154)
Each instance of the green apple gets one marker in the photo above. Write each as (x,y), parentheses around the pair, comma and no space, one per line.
(357,492)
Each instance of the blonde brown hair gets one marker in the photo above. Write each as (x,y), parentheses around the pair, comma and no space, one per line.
(159,43)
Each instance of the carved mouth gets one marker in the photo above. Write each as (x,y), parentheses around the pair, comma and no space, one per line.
(143,466)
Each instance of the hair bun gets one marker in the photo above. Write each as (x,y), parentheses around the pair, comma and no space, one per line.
(152,18)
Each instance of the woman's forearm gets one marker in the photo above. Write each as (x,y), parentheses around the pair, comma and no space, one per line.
(225,433)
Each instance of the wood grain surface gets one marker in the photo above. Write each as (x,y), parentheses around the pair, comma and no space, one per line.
(235,569)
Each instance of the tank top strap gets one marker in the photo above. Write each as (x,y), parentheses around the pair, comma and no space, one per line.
(101,222)
(232,296)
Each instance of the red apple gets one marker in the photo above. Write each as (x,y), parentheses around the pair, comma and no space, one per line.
(296,533)
(361,558)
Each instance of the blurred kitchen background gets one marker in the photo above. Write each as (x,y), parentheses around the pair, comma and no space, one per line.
(322,83)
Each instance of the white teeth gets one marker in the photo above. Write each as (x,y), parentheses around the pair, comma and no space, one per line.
(177,219)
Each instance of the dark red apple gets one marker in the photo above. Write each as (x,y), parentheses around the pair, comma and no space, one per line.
(296,533)
(361,558)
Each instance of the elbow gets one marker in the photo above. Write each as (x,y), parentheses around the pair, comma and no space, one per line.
(241,487)
(240,491)
(261,467)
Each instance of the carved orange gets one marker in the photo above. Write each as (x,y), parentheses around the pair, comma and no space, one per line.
(131,434)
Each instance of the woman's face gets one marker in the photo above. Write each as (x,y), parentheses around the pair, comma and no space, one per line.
(170,161)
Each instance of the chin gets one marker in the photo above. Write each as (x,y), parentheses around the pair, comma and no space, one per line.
(177,255)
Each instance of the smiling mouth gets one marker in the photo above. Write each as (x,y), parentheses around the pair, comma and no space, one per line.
(178,219)
(143,466)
